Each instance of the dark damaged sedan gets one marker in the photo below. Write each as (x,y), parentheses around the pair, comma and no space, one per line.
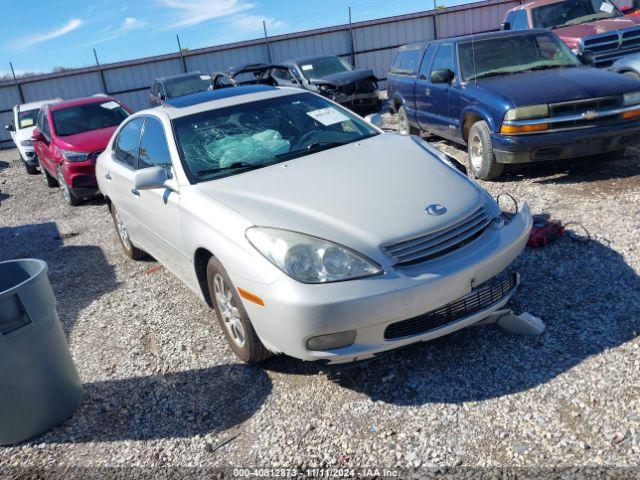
(329,76)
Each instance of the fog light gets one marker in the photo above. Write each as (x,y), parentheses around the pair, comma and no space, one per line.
(332,341)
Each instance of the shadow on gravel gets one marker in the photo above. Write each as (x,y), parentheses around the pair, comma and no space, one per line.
(3,164)
(182,404)
(587,295)
(79,274)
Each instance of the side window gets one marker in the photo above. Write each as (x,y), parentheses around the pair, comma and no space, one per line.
(407,61)
(126,147)
(520,21)
(426,62)
(509,18)
(154,150)
(444,58)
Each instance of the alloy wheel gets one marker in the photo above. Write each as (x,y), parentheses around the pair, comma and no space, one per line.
(122,231)
(229,311)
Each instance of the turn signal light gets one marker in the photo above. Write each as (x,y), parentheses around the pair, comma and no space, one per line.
(631,114)
(538,127)
(252,297)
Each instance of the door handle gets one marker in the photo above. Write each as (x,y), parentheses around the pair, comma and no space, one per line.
(107,176)
(135,192)
(427,91)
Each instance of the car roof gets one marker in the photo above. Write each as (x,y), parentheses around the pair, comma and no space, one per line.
(300,60)
(34,105)
(80,101)
(220,98)
(477,36)
(535,3)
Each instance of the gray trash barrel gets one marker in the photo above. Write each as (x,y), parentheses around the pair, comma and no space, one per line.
(39,385)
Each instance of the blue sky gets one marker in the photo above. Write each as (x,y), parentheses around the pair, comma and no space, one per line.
(38,35)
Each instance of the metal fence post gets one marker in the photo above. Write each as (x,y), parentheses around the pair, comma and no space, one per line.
(20,92)
(266,41)
(184,62)
(104,82)
(353,52)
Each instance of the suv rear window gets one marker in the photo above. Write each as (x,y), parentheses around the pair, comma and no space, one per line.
(91,116)
(407,61)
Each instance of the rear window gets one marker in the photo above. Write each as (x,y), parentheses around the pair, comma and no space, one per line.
(179,87)
(407,61)
(91,116)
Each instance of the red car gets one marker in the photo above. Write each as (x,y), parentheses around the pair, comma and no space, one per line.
(68,138)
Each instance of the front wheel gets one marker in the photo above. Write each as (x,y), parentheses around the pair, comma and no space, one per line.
(232,316)
(481,157)
(67,194)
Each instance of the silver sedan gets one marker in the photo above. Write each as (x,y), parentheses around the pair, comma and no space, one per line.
(309,230)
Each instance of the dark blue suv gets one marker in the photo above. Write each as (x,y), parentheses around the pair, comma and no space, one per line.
(513,97)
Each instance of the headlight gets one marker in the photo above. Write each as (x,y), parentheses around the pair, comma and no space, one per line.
(632,98)
(527,113)
(27,143)
(74,156)
(310,259)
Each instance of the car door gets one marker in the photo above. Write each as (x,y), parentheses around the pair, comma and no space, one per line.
(439,119)
(422,88)
(158,209)
(46,148)
(118,172)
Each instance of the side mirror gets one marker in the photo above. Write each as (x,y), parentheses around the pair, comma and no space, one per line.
(443,75)
(505,26)
(374,119)
(149,178)
(10,128)
(587,58)
(37,136)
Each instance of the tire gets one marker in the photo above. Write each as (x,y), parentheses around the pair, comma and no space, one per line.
(31,170)
(232,316)
(130,250)
(611,156)
(482,160)
(404,127)
(67,194)
(630,74)
(51,181)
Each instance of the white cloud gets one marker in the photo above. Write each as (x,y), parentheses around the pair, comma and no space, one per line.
(70,26)
(193,12)
(253,23)
(127,25)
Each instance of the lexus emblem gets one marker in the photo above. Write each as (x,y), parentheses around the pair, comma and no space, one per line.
(436,209)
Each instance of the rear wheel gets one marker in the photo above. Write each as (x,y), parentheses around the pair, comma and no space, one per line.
(404,127)
(481,158)
(48,178)
(130,250)
(232,316)
(630,74)
(67,194)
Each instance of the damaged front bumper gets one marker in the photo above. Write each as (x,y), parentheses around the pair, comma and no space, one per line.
(405,305)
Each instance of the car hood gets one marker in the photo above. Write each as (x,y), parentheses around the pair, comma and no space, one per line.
(558,85)
(87,141)
(362,195)
(344,78)
(572,34)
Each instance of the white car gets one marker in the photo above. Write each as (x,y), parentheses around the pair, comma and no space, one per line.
(21,127)
(310,231)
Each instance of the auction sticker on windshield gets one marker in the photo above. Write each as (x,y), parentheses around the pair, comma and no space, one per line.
(307,67)
(328,116)
(110,105)
(606,7)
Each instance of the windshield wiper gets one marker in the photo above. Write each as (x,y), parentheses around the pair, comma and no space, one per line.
(489,74)
(326,144)
(233,166)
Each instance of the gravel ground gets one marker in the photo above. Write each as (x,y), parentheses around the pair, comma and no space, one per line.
(164,390)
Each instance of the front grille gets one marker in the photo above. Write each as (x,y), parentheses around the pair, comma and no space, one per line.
(480,298)
(436,244)
(608,47)
(361,86)
(587,106)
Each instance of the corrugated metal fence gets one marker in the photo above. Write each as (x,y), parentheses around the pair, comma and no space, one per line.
(374,43)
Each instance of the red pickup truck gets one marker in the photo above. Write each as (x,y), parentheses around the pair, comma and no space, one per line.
(597,26)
